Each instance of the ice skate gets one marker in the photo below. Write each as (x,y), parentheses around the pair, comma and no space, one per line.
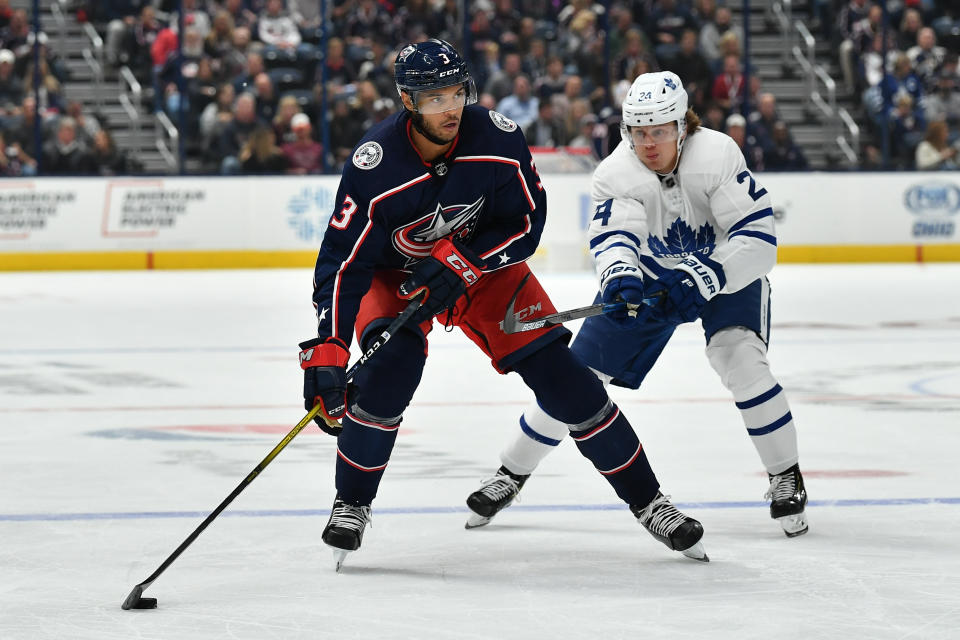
(496,494)
(344,530)
(788,498)
(671,527)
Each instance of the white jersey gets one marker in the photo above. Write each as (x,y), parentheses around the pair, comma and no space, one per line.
(709,218)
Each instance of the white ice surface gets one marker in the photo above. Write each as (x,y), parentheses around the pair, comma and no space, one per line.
(132,403)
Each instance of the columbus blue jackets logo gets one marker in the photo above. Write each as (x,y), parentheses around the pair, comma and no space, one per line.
(503,122)
(368,156)
(415,240)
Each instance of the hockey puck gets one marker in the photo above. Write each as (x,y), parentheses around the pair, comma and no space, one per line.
(145,603)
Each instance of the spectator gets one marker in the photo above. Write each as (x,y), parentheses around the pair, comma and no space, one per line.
(138,42)
(693,69)
(234,135)
(906,129)
(563,103)
(87,125)
(860,43)
(713,117)
(50,90)
(254,67)
(852,13)
(14,161)
(219,43)
(242,16)
(5,14)
(217,115)
(926,57)
(11,88)
(192,16)
(783,154)
(520,106)
(736,126)
(108,160)
(282,123)
(346,129)
(304,154)
(728,87)
(502,82)
(16,35)
(306,13)
(261,155)
(666,25)
(909,29)
(634,49)
(554,80)
(368,21)
(266,95)
(66,155)
(340,71)
(934,152)
(544,131)
(943,102)
(21,127)
(277,29)
(763,119)
(586,138)
(714,31)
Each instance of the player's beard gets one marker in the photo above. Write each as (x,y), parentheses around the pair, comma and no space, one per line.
(420,124)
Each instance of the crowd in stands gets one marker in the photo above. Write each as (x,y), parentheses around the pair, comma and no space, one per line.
(254,77)
(904,70)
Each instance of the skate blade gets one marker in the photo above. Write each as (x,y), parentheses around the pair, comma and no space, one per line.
(339,555)
(474,520)
(696,552)
(795,525)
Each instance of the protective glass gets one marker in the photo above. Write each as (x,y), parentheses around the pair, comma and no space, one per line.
(654,134)
(446,99)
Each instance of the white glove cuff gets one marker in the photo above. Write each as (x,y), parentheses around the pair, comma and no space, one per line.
(705,278)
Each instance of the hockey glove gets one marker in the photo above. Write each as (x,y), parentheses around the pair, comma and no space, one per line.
(444,276)
(681,299)
(627,289)
(324,365)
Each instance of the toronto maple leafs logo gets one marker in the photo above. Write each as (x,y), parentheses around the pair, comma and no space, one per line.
(670,83)
(681,241)
(415,240)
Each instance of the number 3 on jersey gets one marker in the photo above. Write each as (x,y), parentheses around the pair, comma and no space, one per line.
(346,212)
(603,212)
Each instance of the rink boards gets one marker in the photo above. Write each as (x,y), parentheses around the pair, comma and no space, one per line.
(247,222)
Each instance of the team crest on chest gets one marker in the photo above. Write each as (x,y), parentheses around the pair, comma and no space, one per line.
(368,156)
(503,122)
(416,239)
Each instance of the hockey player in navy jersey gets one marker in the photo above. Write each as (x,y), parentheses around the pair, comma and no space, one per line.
(442,200)
(679,218)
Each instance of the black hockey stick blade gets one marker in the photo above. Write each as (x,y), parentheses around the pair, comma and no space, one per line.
(511,324)
(135,599)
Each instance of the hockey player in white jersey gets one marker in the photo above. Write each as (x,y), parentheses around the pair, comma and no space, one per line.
(678,218)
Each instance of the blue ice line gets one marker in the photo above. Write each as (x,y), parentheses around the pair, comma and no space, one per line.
(274,513)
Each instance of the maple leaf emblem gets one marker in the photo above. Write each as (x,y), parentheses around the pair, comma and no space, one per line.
(681,240)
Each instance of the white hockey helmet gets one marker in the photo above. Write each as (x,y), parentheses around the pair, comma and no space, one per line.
(655,98)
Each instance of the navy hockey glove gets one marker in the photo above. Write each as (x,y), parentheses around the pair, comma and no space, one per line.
(681,299)
(324,365)
(444,276)
(627,289)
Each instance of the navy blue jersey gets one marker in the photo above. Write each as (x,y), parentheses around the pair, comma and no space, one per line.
(393,207)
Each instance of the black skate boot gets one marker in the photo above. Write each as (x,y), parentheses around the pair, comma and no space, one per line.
(788,498)
(671,527)
(494,495)
(344,530)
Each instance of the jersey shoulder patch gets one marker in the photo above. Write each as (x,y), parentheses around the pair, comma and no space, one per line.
(368,155)
(503,122)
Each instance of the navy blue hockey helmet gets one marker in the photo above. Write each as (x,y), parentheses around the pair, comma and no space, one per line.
(430,65)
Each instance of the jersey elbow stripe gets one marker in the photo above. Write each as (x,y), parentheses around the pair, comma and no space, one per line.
(631,247)
(606,423)
(594,242)
(516,163)
(359,466)
(536,437)
(753,217)
(625,464)
(760,399)
(510,240)
(766,237)
(773,426)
